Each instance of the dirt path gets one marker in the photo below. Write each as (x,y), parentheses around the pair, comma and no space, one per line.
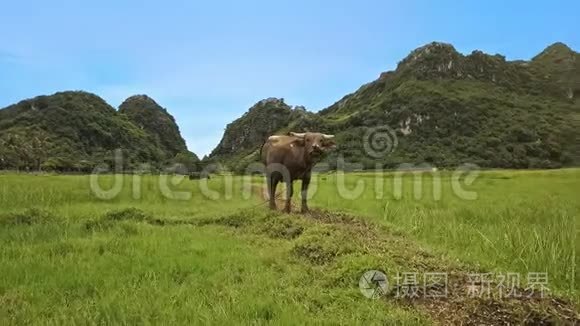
(468,301)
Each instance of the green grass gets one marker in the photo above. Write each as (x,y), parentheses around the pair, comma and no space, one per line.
(69,257)
(138,273)
(72,197)
(521,221)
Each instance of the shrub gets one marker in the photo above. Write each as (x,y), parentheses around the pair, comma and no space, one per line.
(28,217)
(132,213)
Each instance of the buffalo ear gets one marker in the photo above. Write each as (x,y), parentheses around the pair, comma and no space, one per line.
(298,142)
(329,144)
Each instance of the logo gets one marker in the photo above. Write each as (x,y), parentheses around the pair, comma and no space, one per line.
(373,284)
(380,141)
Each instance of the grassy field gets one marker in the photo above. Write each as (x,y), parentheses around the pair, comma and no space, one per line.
(163,251)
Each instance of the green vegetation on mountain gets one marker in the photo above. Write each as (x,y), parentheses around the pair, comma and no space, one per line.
(77,131)
(446,109)
(242,139)
(254,126)
(443,108)
(559,67)
(145,113)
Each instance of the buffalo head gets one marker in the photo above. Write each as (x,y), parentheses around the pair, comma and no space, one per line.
(315,143)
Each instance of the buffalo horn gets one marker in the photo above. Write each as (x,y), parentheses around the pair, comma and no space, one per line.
(297,134)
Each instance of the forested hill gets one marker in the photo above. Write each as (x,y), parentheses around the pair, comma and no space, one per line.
(444,108)
(262,119)
(76,131)
(145,113)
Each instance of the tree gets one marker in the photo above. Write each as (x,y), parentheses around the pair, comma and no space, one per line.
(188,160)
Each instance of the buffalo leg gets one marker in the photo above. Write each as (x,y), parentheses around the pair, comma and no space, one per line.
(289,193)
(304,193)
(272,184)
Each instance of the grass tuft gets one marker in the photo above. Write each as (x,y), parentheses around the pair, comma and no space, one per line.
(283,226)
(321,244)
(28,217)
(133,214)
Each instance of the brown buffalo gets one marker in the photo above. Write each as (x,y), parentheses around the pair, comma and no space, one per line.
(291,157)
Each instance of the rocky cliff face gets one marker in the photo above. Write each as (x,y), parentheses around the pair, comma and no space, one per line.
(441,61)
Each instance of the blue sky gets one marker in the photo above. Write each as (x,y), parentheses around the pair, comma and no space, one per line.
(208,62)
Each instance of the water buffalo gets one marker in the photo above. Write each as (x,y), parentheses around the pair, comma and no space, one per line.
(291,157)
